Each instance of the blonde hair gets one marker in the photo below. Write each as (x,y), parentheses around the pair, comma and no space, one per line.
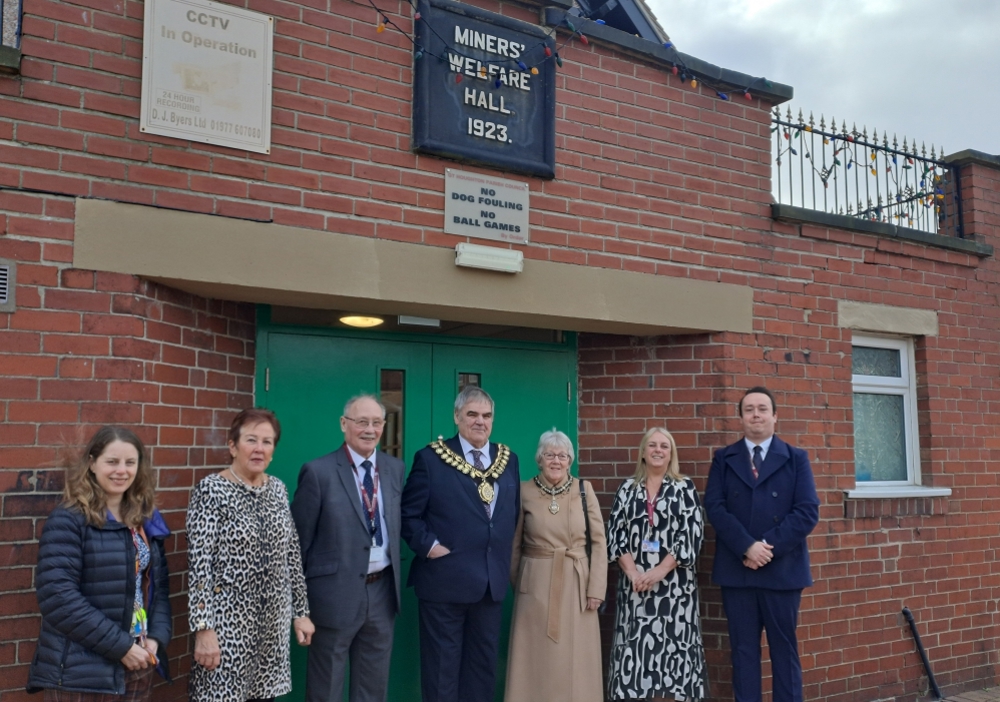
(83,493)
(673,467)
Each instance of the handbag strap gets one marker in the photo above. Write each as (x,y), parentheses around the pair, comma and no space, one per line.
(586,516)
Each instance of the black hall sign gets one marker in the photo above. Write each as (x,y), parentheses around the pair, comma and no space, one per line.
(476,98)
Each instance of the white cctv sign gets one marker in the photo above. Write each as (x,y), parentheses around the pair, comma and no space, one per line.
(206,73)
(485,207)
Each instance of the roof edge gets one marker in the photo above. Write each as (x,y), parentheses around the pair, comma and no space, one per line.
(776,93)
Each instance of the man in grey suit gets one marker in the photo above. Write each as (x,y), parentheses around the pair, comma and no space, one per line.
(346,510)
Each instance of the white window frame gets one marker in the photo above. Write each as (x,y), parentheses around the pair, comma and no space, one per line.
(904,386)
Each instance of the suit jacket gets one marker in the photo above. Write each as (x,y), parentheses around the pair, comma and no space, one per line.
(441,503)
(780,507)
(334,536)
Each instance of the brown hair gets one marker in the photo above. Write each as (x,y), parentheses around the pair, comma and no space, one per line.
(673,467)
(84,493)
(761,390)
(253,417)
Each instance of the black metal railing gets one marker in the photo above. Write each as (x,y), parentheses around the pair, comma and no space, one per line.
(849,172)
(10,23)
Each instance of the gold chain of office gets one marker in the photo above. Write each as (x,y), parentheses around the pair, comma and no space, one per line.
(484,476)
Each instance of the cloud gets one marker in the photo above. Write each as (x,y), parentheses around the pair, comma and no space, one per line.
(917,68)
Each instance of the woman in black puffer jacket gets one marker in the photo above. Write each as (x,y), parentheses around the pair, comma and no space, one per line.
(102,581)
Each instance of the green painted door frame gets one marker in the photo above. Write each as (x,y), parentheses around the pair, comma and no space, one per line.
(305,374)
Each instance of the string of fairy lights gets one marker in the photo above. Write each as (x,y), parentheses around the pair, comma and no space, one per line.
(678,68)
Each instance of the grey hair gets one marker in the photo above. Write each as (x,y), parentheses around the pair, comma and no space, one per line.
(554,439)
(471,393)
(358,398)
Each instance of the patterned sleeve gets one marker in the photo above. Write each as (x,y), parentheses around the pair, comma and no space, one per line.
(684,541)
(618,523)
(297,579)
(202,526)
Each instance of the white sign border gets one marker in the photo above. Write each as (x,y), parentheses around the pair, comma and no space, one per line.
(452,208)
(148,33)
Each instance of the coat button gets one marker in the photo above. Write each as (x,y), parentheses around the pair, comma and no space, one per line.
(774,494)
(775,519)
(218,589)
(488,549)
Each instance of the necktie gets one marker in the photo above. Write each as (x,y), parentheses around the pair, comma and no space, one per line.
(370,491)
(758,462)
(477,463)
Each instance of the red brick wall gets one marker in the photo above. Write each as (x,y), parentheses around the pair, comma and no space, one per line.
(86,349)
(652,176)
(870,557)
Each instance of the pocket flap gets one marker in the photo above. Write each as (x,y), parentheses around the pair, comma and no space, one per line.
(320,569)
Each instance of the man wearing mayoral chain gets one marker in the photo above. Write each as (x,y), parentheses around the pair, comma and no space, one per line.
(459,511)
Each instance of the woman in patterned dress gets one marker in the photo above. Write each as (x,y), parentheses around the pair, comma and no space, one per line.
(654,533)
(245,581)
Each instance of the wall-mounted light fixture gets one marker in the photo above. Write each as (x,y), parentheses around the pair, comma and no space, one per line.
(489,258)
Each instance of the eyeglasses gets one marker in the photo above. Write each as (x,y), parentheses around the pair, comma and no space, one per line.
(563,457)
(365,423)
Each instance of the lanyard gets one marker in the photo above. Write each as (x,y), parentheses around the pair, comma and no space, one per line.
(370,505)
(649,507)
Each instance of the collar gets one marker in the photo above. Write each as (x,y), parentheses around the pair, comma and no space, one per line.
(357,458)
(764,445)
(467,447)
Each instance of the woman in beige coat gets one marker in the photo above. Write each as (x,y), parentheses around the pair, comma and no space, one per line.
(555,641)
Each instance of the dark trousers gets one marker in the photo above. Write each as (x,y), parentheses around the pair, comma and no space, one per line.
(368,647)
(458,650)
(750,611)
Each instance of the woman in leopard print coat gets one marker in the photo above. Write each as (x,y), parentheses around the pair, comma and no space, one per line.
(245,581)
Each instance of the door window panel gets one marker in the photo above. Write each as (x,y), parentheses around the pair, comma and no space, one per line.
(391,384)
(469,379)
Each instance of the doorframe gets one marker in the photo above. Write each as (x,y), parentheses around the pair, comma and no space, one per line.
(264,326)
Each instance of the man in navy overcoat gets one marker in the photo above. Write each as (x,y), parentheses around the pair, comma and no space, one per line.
(459,511)
(761,499)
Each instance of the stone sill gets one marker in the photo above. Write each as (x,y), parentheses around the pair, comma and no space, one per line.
(890,493)
(10,60)
(901,501)
(790,213)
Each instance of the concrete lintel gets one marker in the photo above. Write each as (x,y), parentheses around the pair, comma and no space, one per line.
(232,259)
(864,316)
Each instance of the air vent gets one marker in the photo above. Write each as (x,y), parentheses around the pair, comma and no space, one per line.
(8,273)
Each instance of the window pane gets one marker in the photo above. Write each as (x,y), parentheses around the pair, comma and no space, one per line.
(469,379)
(879,437)
(391,393)
(867,360)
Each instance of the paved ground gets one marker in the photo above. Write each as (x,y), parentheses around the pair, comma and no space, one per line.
(991,694)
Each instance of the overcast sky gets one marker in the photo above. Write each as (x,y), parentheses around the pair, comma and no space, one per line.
(925,69)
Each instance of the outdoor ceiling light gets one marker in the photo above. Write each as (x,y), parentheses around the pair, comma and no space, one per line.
(489,258)
(356,320)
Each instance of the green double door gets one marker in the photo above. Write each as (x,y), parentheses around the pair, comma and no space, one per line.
(306,375)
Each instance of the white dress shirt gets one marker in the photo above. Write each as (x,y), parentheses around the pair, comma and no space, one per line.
(356,458)
(764,446)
